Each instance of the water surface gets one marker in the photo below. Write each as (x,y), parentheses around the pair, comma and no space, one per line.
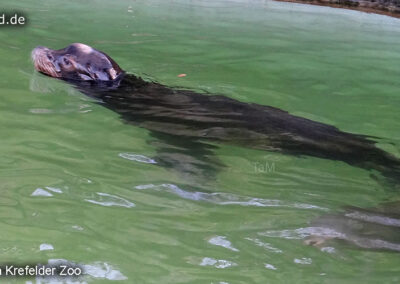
(77,183)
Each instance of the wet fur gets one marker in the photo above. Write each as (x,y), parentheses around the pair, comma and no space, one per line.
(196,116)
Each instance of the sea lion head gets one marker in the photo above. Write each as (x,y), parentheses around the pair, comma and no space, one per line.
(76,62)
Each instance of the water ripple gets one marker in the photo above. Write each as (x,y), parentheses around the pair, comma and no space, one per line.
(267,246)
(106,199)
(103,270)
(41,192)
(382,220)
(302,233)
(270,266)
(303,260)
(328,249)
(223,242)
(137,158)
(222,198)
(46,247)
(321,234)
(54,189)
(45,193)
(218,263)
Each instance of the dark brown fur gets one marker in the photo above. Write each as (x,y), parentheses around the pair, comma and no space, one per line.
(195,116)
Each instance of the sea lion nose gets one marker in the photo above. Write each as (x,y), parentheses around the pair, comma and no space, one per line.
(37,51)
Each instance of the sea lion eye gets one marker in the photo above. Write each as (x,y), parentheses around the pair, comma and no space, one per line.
(50,57)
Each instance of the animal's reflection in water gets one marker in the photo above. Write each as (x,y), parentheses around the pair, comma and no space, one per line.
(194,161)
(372,228)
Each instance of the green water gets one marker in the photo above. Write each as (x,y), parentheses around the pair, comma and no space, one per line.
(131,220)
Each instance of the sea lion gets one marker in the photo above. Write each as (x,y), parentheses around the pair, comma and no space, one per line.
(193,116)
(76,62)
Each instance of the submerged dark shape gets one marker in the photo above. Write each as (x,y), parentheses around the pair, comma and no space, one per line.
(371,228)
(194,117)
